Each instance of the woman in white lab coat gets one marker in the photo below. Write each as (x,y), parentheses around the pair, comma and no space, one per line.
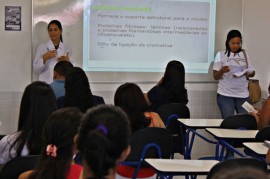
(49,53)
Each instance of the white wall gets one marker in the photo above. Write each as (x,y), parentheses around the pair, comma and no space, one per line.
(257,37)
(15,60)
(16,49)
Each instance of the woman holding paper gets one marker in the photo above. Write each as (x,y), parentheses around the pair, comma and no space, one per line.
(231,68)
(49,53)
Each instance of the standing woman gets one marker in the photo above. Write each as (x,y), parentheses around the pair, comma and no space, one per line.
(170,89)
(49,53)
(233,86)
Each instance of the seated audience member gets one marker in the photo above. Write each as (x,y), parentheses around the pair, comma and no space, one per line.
(56,159)
(103,141)
(170,89)
(236,171)
(241,173)
(130,98)
(78,92)
(263,115)
(59,73)
(37,103)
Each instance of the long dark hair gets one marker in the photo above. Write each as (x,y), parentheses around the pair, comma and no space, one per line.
(59,25)
(130,98)
(232,34)
(37,103)
(103,136)
(174,81)
(59,130)
(78,92)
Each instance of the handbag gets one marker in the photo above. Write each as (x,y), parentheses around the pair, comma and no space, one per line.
(254,91)
(254,88)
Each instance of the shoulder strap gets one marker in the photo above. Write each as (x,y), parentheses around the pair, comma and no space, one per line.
(245,55)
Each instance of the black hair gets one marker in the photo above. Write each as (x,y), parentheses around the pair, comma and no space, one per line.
(244,172)
(232,34)
(59,25)
(62,67)
(130,98)
(174,81)
(59,130)
(103,136)
(78,92)
(37,103)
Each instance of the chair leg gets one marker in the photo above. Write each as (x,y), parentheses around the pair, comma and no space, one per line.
(160,176)
(172,156)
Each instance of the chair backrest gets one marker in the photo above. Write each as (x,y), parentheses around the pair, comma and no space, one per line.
(263,134)
(150,142)
(97,100)
(16,166)
(175,110)
(169,114)
(142,137)
(237,166)
(245,121)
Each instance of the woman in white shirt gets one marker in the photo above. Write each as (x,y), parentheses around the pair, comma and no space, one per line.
(49,53)
(232,68)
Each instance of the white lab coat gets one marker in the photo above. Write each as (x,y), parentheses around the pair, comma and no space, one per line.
(45,71)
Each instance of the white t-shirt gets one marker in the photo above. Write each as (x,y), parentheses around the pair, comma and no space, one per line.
(45,71)
(5,143)
(230,84)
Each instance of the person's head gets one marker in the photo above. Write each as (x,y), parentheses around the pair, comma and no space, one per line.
(233,42)
(37,103)
(55,30)
(103,140)
(60,69)
(58,143)
(174,79)
(131,99)
(244,172)
(78,92)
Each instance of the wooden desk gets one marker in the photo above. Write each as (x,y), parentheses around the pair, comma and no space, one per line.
(223,135)
(181,167)
(192,125)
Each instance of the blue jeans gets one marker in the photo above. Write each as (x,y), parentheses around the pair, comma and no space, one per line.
(227,105)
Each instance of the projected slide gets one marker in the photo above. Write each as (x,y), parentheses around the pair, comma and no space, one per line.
(143,35)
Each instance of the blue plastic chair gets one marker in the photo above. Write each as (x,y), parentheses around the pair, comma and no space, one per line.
(169,114)
(149,142)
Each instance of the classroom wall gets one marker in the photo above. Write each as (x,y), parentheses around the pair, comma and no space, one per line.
(257,37)
(15,68)
(18,48)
